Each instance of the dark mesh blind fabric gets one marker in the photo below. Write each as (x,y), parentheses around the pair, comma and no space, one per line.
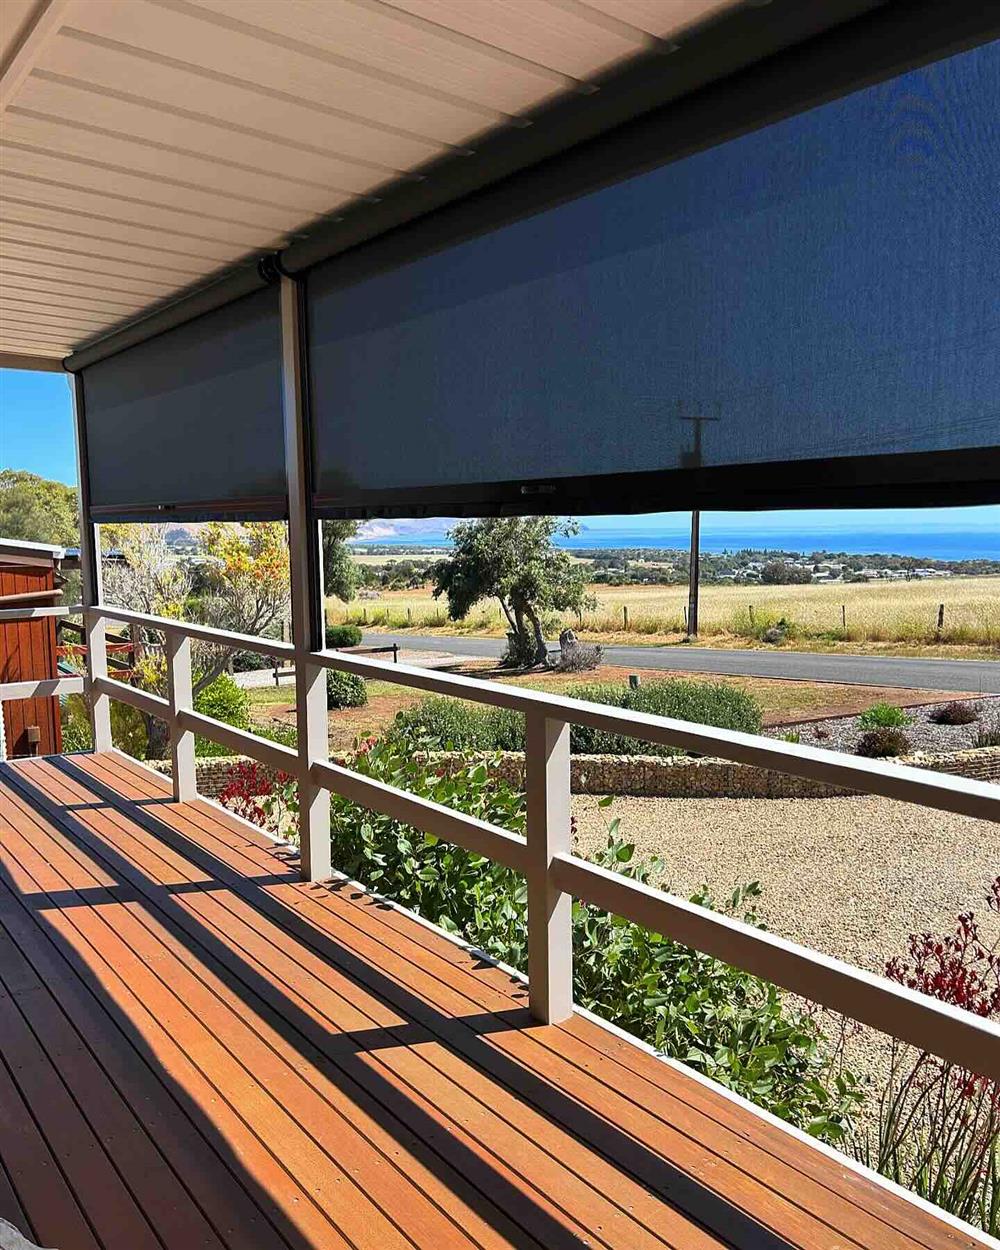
(824,287)
(191,419)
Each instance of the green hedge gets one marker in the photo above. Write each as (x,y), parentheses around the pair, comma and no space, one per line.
(343,636)
(223,700)
(447,724)
(345,689)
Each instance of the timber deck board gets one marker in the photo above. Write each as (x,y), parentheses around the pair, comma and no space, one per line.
(198,1050)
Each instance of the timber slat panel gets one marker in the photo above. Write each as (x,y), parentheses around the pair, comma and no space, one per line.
(198,1050)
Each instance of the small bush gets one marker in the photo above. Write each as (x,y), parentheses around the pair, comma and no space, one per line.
(578,657)
(223,700)
(777,633)
(882,743)
(446,724)
(251,661)
(275,731)
(342,636)
(345,689)
(954,713)
(883,716)
(704,703)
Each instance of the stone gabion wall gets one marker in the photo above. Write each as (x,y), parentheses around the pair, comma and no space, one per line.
(673,777)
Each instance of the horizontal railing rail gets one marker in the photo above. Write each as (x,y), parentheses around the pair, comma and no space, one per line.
(554,875)
(897,781)
(31,614)
(40,688)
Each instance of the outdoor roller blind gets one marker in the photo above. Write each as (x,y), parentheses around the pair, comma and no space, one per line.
(823,290)
(189,423)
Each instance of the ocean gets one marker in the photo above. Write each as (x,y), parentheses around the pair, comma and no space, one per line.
(978,544)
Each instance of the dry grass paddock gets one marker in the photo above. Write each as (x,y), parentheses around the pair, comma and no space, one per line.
(859,612)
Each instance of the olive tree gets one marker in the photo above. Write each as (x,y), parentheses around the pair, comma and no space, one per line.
(513,560)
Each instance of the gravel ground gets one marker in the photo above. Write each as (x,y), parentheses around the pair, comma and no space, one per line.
(842,733)
(851,877)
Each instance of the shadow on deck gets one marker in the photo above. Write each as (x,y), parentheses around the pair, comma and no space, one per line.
(200,1051)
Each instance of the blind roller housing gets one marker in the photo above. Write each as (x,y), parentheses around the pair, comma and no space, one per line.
(189,423)
(810,306)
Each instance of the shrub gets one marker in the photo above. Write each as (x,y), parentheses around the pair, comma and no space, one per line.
(954,713)
(726,1023)
(251,661)
(938,1127)
(275,731)
(223,700)
(882,743)
(704,703)
(449,724)
(576,656)
(343,636)
(883,716)
(345,689)
(777,633)
(76,734)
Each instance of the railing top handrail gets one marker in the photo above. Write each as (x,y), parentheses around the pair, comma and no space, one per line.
(942,791)
(168,624)
(930,789)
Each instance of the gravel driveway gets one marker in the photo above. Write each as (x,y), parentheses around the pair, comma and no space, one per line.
(851,877)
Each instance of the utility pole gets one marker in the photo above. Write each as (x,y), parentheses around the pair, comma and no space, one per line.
(694,575)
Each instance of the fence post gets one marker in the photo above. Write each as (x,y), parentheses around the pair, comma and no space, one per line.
(178,649)
(843,615)
(550,912)
(940,623)
(625,616)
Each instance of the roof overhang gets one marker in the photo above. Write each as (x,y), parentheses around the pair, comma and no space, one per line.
(158,148)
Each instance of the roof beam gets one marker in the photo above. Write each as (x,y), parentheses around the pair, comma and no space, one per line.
(49,16)
(36,364)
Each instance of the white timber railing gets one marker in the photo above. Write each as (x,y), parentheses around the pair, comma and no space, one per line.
(554,875)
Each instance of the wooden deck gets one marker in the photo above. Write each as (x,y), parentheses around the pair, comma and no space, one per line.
(200,1051)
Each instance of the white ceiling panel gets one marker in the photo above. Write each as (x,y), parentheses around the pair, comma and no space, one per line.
(147,145)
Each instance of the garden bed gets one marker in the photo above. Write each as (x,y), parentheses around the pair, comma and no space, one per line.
(842,733)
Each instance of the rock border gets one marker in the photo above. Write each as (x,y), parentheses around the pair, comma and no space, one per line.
(650,776)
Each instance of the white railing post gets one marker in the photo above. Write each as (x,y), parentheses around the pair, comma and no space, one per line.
(306,568)
(550,912)
(179,694)
(95,629)
(95,637)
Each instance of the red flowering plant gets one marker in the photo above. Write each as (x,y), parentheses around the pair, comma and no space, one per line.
(264,798)
(939,1123)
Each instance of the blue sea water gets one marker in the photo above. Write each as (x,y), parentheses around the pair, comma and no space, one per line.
(979,544)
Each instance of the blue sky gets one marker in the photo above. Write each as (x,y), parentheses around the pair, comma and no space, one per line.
(36,433)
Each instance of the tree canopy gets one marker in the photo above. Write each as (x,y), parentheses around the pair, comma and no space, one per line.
(34,509)
(514,560)
(340,573)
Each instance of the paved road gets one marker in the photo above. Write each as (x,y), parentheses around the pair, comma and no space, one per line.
(976,676)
